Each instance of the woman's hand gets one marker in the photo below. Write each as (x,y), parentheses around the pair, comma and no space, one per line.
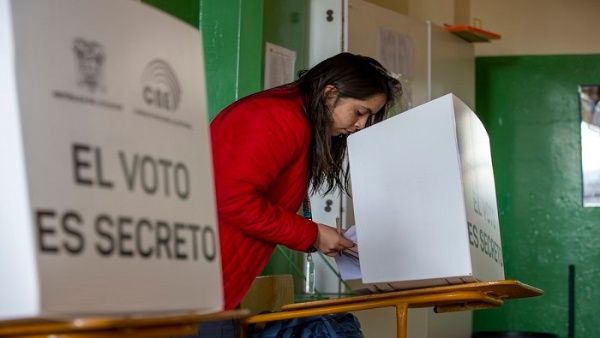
(330,242)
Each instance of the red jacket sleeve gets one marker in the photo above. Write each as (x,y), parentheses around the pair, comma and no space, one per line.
(254,143)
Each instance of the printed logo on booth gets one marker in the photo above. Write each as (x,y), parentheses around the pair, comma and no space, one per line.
(90,58)
(160,87)
(161,95)
(90,64)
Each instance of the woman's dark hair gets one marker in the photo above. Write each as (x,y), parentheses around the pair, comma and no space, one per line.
(353,76)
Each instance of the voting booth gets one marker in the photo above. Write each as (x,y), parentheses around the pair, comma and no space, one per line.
(424,199)
(107,201)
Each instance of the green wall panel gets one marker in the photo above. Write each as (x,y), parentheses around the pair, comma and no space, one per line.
(286,24)
(186,10)
(251,48)
(232,32)
(219,21)
(530,107)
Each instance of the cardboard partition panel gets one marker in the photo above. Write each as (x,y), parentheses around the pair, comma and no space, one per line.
(107,199)
(424,198)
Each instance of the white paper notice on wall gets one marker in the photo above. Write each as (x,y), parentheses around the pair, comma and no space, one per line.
(396,52)
(107,199)
(279,65)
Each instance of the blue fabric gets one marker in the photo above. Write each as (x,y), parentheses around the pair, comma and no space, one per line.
(220,329)
(343,325)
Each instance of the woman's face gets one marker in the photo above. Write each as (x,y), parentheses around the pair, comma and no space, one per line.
(349,115)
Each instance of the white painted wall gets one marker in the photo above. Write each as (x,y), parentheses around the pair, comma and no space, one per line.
(437,11)
(363,38)
(539,26)
(530,27)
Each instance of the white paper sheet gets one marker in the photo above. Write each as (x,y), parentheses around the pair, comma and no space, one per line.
(279,65)
(348,265)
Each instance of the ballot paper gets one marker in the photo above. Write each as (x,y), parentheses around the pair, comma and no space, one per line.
(347,261)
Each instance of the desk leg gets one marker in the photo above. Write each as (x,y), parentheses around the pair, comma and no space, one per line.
(401,316)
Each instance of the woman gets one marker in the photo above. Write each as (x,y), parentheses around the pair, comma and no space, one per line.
(270,147)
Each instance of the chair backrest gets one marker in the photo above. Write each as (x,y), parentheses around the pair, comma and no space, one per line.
(269,294)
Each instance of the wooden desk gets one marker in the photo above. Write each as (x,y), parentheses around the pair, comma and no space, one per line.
(164,325)
(458,297)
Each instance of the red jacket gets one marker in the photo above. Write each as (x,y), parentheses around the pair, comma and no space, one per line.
(260,153)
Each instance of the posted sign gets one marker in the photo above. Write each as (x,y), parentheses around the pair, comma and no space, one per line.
(107,201)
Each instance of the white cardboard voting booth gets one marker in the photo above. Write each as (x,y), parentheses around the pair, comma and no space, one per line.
(107,200)
(424,199)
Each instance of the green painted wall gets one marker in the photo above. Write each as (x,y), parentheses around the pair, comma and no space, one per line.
(232,33)
(233,44)
(530,107)
(286,25)
(186,10)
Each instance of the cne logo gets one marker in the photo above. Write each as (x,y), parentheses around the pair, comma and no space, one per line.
(90,60)
(160,87)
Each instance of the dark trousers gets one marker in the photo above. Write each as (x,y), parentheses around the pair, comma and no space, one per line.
(222,329)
